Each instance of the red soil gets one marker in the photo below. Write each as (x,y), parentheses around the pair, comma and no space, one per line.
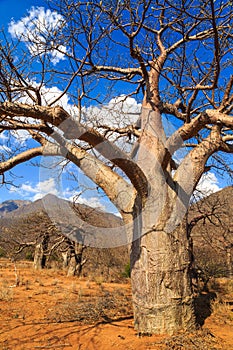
(48,310)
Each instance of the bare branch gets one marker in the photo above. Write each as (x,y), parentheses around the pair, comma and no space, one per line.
(20,158)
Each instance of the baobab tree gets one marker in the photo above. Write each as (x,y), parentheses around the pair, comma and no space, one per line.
(175,59)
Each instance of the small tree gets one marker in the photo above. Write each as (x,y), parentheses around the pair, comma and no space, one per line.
(212,230)
(36,233)
(173,57)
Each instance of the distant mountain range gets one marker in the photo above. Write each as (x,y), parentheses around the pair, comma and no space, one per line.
(210,218)
(69,218)
(11,205)
(55,208)
(18,208)
(28,221)
(24,207)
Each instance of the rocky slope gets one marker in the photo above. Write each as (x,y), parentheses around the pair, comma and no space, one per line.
(12,205)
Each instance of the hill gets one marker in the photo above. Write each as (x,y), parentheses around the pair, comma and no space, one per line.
(9,206)
(30,223)
(209,221)
(212,232)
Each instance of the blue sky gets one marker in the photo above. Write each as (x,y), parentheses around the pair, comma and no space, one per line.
(15,9)
(27,177)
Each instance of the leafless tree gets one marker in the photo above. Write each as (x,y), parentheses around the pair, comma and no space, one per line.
(36,234)
(176,56)
(212,229)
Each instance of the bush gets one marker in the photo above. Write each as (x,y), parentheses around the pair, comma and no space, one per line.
(210,263)
(126,272)
(29,256)
(2,253)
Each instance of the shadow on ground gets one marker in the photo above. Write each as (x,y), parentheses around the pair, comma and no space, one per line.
(203,306)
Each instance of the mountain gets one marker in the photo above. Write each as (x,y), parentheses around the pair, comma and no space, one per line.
(218,205)
(60,210)
(27,207)
(32,221)
(11,205)
(209,218)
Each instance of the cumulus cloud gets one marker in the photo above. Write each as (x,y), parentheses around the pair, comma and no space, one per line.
(119,112)
(207,185)
(4,144)
(48,95)
(38,30)
(93,202)
(88,197)
(3,136)
(36,191)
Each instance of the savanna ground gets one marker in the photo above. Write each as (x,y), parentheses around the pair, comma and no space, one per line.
(48,310)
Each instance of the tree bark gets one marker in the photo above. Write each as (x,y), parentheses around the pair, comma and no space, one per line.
(75,261)
(229,262)
(39,254)
(161,283)
(39,258)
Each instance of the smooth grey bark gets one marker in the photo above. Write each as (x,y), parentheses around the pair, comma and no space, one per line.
(161,252)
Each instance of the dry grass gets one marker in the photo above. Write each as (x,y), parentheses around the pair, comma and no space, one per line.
(221,306)
(89,309)
(48,305)
(6,293)
(201,340)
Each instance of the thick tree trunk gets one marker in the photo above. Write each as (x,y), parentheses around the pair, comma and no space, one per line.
(39,258)
(160,253)
(75,262)
(161,283)
(39,254)
(229,262)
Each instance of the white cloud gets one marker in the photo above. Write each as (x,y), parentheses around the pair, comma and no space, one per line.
(5,149)
(36,191)
(85,197)
(207,185)
(119,112)
(48,95)
(93,202)
(3,137)
(96,203)
(38,31)
(21,136)
(8,143)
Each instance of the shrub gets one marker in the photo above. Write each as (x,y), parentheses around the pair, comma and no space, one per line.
(29,256)
(126,272)
(2,253)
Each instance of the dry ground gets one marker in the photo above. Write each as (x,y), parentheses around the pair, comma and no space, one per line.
(48,310)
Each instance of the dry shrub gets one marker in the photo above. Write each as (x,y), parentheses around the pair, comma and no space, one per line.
(6,293)
(223,310)
(92,309)
(222,306)
(200,340)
